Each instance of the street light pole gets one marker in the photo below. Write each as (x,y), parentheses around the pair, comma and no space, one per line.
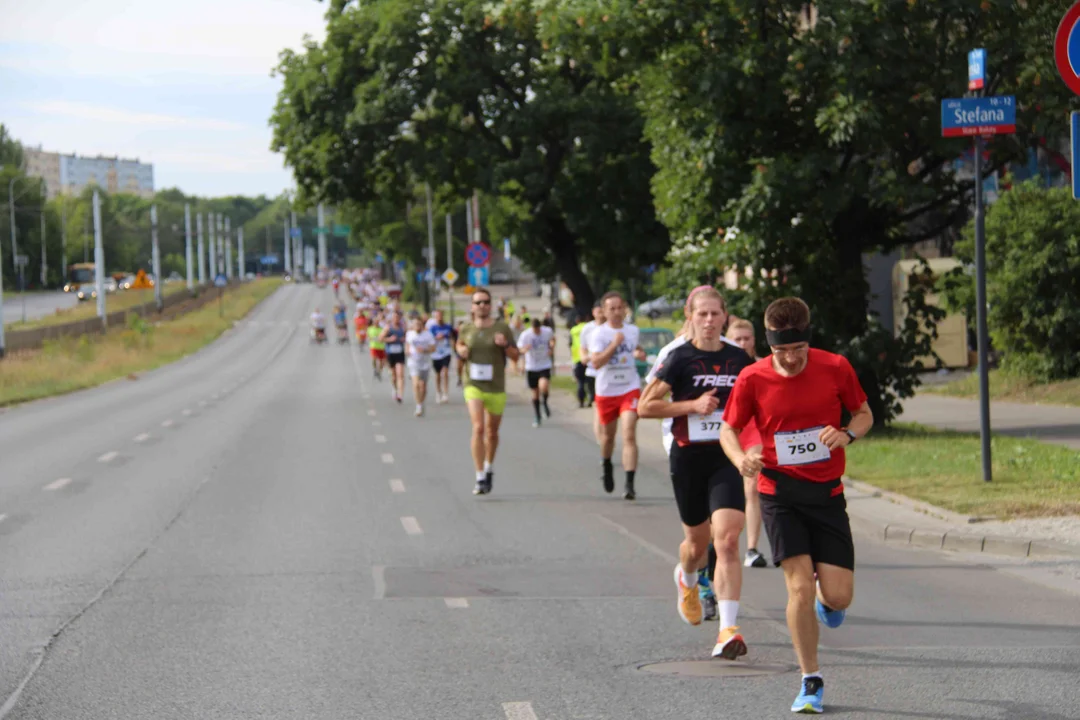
(44,258)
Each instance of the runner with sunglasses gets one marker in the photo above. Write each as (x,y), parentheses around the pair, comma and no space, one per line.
(485,344)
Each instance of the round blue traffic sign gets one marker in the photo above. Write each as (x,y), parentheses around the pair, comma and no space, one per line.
(1067,48)
(477,254)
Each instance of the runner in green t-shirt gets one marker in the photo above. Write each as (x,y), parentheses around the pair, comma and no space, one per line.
(378,347)
(486,344)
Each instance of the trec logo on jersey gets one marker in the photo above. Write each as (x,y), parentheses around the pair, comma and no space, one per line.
(714,380)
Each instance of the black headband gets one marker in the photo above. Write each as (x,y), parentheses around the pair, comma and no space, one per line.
(789,336)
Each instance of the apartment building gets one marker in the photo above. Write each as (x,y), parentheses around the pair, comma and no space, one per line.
(70,174)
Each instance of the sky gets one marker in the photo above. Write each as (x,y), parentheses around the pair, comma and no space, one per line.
(183,84)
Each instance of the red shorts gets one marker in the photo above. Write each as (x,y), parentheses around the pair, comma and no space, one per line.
(378,354)
(608,409)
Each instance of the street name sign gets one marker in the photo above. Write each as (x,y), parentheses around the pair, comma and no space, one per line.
(964,117)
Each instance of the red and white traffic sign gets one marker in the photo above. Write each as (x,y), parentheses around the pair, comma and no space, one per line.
(477,254)
(1067,48)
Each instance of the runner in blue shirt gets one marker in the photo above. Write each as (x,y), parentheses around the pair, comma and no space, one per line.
(444,351)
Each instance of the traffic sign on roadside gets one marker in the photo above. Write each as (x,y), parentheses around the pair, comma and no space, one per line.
(321,230)
(296,233)
(141,281)
(220,280)
(450,276)
(977,69)
(22,260)
(477,254)
(342,230)
(1067,48)
(964,117)
(269,260)
(478,276)
(1075,126)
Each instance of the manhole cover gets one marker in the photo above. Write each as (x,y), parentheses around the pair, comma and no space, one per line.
(714,668)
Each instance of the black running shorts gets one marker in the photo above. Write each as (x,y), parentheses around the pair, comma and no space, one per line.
(395,359)
(819,529)
(441,363)
(704,481)
(533,376)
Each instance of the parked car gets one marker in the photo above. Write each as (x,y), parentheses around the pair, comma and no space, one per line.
(127,282)
(501,276)
(652,340)
(659,307)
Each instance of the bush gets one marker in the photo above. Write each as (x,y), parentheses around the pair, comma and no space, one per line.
(1032,280)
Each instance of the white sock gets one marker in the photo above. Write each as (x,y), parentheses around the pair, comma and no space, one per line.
(479,475)
(487,466)
(689,579)
(729,612)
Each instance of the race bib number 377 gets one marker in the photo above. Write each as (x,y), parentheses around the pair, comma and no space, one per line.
(800,447)
(705,428)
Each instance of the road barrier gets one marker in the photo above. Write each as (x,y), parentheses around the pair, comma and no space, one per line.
(174,305)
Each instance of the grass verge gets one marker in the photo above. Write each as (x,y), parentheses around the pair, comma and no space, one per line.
(70,364)
(1012,388)
(120,300)
(944,468)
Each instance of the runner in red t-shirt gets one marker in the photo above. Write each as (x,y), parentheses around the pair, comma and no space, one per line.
(796,396)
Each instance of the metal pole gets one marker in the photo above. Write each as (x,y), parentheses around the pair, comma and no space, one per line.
(323,260)
(187,247)
(432,283)
(155,259)
(228,248)
(980,313)
(221,241)
(11,203)
(288,252)
(450,265)
(11,207)
(63,239)
(44,254)
(210,253)
(201,251)
(240,253)
(297,254)
(99,261)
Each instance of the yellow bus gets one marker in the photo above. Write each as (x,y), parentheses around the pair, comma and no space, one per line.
(79,274)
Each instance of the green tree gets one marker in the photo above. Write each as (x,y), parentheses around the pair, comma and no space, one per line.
(815,131)
(467,96)
(1033,280)
(11,152)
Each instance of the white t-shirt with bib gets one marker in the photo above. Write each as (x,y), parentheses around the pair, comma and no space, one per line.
(619,376)
(586,333)
(417,360)
(535,346)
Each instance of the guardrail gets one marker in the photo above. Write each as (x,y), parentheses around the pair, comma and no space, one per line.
(174,305)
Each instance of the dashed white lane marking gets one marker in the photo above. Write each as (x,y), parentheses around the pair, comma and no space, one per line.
(387,458)
(397,485)
(215,396)
(376,423)
(57,484)
(378,576)
(519,711)
(411,525)
(109,456)
(202,403)
(142,437)
(185,412)
(380,438)
(3,517)
(166,423)
(366,396)
(371,413)
(456,602)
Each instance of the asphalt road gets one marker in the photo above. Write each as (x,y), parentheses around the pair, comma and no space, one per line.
(38,304)
(259,531)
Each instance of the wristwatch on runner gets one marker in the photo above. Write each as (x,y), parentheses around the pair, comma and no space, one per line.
(851,436)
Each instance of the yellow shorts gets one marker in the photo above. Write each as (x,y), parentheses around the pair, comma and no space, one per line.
(494,403)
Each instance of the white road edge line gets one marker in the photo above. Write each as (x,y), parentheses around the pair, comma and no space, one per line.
(371,412)
(654,549)
(397,485)
(57,484)
(378,576)
(456,602)
(411,525)
(202,403)
(380,438)
(3,517)
(142,437)
(109,456)
(185,411)
(519,711)
(376,423)
(387,458)
(166,423)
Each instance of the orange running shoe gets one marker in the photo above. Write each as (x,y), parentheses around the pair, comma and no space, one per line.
(689,602)
(729,644)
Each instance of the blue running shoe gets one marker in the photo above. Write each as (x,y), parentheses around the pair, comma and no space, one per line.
(709,607)
(810,701)
(828,617)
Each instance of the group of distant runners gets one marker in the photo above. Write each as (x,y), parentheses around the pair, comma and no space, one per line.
(750,441)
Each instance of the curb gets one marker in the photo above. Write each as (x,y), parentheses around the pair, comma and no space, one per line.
(951,539)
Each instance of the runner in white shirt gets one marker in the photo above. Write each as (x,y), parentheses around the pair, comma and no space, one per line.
(613,348)
(590,371)
(537,344)
(419,345)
